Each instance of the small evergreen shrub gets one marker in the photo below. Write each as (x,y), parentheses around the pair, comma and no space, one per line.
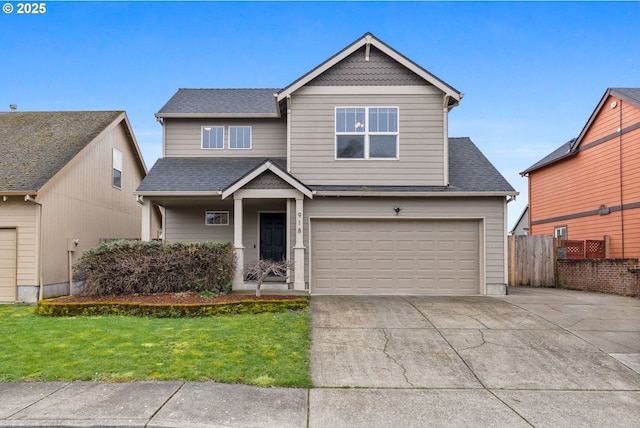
(135,267)
(50,307)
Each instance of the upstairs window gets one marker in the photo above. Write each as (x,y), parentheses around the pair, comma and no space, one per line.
(116,180)
(239,137)
(366,133)
(213,137)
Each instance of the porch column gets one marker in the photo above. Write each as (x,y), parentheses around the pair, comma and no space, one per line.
(298,248)
(145,234)
(238,281)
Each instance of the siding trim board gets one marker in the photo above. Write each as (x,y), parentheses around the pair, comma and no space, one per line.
(589,213)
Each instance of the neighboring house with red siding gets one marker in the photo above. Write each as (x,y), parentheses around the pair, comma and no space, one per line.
(590,186)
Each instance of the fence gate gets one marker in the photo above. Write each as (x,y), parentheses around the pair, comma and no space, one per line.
(532,260)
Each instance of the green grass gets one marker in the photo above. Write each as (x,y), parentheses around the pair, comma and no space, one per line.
(268,349)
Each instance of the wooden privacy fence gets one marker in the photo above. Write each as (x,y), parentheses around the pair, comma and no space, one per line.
(532,260)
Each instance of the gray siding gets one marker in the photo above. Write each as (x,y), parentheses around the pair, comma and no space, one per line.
(489,209)
(421,147)
(354,70)
(186,223)
(183,137)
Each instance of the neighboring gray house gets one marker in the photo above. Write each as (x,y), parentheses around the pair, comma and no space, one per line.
(522,224)
(348,173)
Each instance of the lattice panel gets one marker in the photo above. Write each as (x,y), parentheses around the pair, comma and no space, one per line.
(595,249)
(575,249)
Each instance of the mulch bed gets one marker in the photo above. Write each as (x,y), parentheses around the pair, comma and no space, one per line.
(184,298)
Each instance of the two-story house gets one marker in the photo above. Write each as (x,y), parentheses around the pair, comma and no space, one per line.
(348,173)
(589,187)
(66,182)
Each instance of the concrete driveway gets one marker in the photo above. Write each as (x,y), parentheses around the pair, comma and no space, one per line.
(541,357)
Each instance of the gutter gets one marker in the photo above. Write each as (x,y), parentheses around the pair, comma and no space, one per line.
(379,193)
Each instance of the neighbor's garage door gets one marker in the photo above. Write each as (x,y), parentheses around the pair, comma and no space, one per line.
(7,265)
(395,256)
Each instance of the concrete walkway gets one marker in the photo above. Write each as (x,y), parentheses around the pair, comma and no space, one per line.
(538,357)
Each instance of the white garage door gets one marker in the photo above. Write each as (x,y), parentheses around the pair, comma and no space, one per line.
(395,257)
(7,265)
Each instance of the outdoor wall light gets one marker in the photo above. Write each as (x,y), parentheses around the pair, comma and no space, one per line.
(397,210)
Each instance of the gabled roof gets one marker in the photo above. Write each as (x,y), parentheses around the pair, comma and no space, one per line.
(630,95)
(470,173)
(571,147)
(257,103)
(561,152)
(35,146)
(221,103)
(366,41)
(211,176)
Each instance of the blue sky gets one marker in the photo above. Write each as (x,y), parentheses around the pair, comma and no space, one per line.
(531,72)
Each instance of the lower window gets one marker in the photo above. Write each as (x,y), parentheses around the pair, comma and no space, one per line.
(216,218)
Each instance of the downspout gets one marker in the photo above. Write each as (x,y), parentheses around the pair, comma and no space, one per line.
(445,132)
(621,194)
(161,122)
(29,198)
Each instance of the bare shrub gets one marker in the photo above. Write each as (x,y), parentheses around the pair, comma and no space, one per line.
(260,270)
(134,267)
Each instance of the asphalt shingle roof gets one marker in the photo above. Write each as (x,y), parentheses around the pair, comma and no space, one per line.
(203,174)
(34,146)
(221,101)
(633,93)
(469,170)
(562,151)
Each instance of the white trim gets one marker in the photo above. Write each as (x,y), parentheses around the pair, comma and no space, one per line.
(370,90)
(367,134)
(262,168)
(116,164)
(250,137)
(369,39)
(396,193)
(202,129)
(214,212)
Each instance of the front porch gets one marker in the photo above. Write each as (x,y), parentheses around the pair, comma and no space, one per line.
(261,213)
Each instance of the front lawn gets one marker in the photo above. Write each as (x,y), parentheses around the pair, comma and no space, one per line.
(266,349)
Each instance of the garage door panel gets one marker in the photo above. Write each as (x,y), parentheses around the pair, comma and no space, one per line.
(396,256)
(8,263)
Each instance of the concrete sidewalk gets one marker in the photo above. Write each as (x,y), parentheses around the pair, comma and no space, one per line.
(538,357)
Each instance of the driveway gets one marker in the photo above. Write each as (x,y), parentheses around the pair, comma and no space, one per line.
(541,357)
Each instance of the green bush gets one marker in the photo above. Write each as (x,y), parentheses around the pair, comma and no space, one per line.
(135,267)
(61,309)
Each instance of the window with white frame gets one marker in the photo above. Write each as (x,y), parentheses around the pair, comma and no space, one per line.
(239,137)
(116,180)
(560,232)
(216,218)
(366,133)
(213,137)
